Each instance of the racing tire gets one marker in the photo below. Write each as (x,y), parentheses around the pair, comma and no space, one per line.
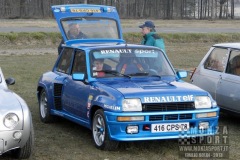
(100,133)
(44,109)
(26,151)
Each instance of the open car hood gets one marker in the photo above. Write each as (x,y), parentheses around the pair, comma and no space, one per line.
(95,18)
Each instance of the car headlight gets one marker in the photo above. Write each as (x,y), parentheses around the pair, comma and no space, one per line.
(11,120)
(132,105)
(202,102)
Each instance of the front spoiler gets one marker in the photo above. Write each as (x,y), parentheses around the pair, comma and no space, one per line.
(117,130)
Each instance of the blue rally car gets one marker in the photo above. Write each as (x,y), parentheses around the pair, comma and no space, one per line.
(120,91)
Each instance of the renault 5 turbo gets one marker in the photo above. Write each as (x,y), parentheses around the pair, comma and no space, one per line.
(120,91)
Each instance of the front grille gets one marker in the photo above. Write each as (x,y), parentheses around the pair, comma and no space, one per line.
(185,116)
(163,107)
(156,118)
(170,117)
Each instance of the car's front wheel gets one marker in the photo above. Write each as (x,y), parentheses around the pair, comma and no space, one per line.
(44,109)
(100,132)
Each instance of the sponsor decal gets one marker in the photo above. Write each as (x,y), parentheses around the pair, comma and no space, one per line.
(86,10)
(117,108)
(88,105)
(110,51)
(163,99)
(88,114)
(141,51)
(138,51)
(90,98)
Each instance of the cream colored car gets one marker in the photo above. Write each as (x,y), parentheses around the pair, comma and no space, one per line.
(219,74)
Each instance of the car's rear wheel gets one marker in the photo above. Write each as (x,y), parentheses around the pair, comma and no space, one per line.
(100,132)
(44,109)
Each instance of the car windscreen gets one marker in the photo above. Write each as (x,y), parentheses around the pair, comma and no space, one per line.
(90,28)
(129,62)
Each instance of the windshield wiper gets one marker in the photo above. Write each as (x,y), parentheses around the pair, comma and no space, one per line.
(139,74)
(114,73)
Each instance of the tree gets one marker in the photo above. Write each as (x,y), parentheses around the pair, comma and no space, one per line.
(232,9)
(221,7)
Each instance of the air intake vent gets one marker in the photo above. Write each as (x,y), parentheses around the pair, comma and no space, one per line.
(170,117)
(156,118)
(58,89)
(185,116)
(57,96)
(168,107)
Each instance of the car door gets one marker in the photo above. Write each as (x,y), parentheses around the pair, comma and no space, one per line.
(210,71)
(75,93)
(62,70)
(228,88)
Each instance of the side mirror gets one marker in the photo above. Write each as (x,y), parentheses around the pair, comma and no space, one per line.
(78,76)
(10,81)
(182,74)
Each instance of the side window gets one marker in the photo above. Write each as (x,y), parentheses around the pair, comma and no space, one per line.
(216,60)
(233,66)
(79,63)
(64,63)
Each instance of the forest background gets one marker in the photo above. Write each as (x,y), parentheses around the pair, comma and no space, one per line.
(129,9)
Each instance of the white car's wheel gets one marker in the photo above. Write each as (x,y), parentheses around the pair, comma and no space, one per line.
(100,133)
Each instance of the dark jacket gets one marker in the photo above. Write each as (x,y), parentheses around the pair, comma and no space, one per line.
(79,36)
(152,39)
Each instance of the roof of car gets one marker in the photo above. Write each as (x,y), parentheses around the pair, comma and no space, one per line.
(228,45)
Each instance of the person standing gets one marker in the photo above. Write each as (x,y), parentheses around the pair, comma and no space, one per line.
(74,32)
(150,37)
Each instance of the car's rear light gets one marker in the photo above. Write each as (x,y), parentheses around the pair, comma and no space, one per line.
(192,73)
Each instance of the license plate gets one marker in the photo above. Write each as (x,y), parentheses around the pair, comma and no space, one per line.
(169,127)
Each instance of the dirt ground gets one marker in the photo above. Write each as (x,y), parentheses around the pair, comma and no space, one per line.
(128,23)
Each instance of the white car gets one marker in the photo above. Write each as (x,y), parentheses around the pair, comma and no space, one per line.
(16,128)
(219,74)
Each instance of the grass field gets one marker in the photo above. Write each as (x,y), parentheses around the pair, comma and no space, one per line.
(66,140)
